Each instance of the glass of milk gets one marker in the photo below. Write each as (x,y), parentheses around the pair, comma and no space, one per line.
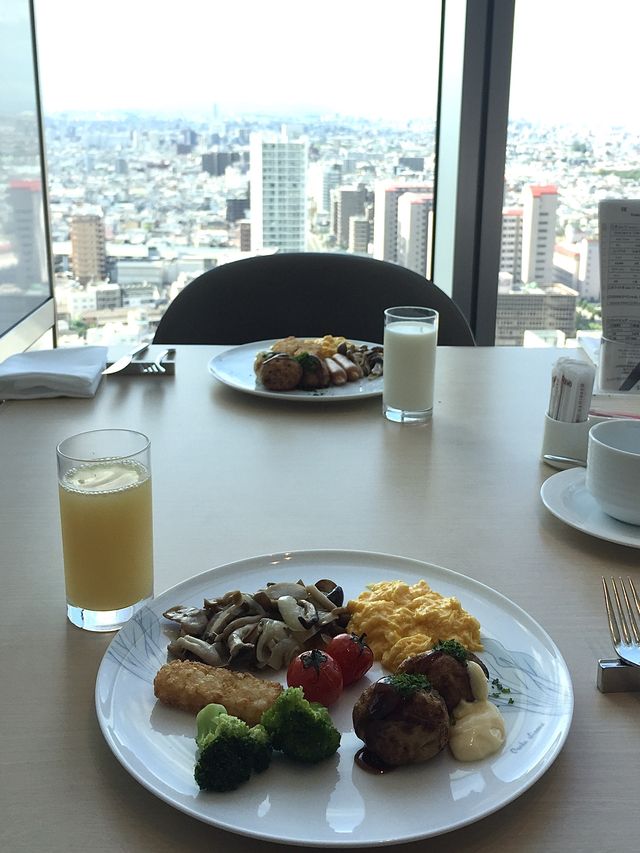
(410,339)
(104,479)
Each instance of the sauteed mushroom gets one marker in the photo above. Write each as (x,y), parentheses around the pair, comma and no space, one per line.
(264,629)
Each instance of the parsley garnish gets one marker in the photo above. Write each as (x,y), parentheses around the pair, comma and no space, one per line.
(406,684)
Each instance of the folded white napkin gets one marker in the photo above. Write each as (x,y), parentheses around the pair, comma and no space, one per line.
(66,372)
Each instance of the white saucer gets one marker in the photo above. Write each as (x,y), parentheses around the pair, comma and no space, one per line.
(565,495)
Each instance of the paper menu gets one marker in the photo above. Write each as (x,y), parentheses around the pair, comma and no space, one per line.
(619,227)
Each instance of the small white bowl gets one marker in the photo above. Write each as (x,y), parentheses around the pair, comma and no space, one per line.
(613,468)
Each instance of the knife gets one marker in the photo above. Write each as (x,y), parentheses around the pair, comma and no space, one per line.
(125,361)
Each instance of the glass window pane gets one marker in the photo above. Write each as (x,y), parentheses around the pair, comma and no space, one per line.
(573,141)
(24,274)
(219,131)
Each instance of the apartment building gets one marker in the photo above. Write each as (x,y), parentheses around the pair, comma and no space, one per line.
(278,170)
(511,243)
(540,204)
(88,248)
(414,217)
(345,203)
(386,196)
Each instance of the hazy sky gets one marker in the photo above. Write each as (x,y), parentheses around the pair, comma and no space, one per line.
(366,57)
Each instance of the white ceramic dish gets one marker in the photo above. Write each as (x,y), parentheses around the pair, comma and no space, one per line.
(566,496)
(234,367)
(336,804)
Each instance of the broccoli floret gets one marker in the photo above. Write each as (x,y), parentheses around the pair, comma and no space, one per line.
(228,750)
(302,730)
(262,748)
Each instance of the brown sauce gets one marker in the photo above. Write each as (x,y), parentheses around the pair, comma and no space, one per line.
(370,762)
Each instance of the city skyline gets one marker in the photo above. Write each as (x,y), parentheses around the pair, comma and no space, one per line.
(569,62)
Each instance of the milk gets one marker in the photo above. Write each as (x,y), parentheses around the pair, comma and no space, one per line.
(409,365)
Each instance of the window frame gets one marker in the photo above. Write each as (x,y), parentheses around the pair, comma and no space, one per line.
(471,140)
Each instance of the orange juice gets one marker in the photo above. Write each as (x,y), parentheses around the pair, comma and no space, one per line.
(105,510)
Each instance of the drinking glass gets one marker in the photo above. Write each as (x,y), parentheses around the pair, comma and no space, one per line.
(410,339)
(104,483)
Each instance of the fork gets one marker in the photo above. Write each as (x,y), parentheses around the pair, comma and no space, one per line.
(625,636)
(157,366)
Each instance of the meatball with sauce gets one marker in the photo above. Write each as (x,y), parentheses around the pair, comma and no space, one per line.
(402,720)
(445,667)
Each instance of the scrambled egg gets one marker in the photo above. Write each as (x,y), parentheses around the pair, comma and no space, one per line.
(323,347)
(401,620)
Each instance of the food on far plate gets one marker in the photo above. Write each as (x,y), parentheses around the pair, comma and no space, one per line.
(264,629)
(402,719)
(279,372)
(319,676)
(314,363)
(191,685)
(401,620)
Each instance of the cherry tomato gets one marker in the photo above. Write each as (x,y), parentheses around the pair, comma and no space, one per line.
(353,655)
(319,676)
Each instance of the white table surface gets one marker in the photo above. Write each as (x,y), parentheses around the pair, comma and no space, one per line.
(462,493)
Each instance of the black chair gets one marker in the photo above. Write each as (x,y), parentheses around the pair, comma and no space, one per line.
(307,294)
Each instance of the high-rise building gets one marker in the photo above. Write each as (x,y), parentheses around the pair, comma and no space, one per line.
(215,162)
(511,244)
(278,168)
(324,177)
(385,234)
(414,211)
(359,234)
(28,238)
(538,233)
(345,203)
(88,247)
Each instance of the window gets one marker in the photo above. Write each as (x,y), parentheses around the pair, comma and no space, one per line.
(306,110)
(26,303)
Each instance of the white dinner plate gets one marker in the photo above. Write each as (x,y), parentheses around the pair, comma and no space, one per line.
(566,496)
(336,803)
(234,367)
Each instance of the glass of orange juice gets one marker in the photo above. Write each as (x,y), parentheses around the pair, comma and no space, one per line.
(104,483)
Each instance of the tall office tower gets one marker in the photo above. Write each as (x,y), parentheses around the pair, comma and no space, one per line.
(215,162)
(385,233)
(88,247)
(511,243)
(345,203)
(359,235)
(413,230)
(28,241)
(538,233)
(245,234)
(278,171)
(324,177)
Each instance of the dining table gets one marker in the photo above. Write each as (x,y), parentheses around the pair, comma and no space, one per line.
(238,475)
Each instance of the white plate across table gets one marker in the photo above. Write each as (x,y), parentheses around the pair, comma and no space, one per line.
(566,496)
(234,367)
(336,803)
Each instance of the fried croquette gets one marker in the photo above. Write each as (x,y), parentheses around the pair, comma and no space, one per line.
(191,685)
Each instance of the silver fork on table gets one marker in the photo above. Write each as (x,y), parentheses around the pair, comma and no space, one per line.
(157,366)
(623,618)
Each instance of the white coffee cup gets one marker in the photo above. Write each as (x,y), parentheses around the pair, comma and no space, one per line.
(613,468)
